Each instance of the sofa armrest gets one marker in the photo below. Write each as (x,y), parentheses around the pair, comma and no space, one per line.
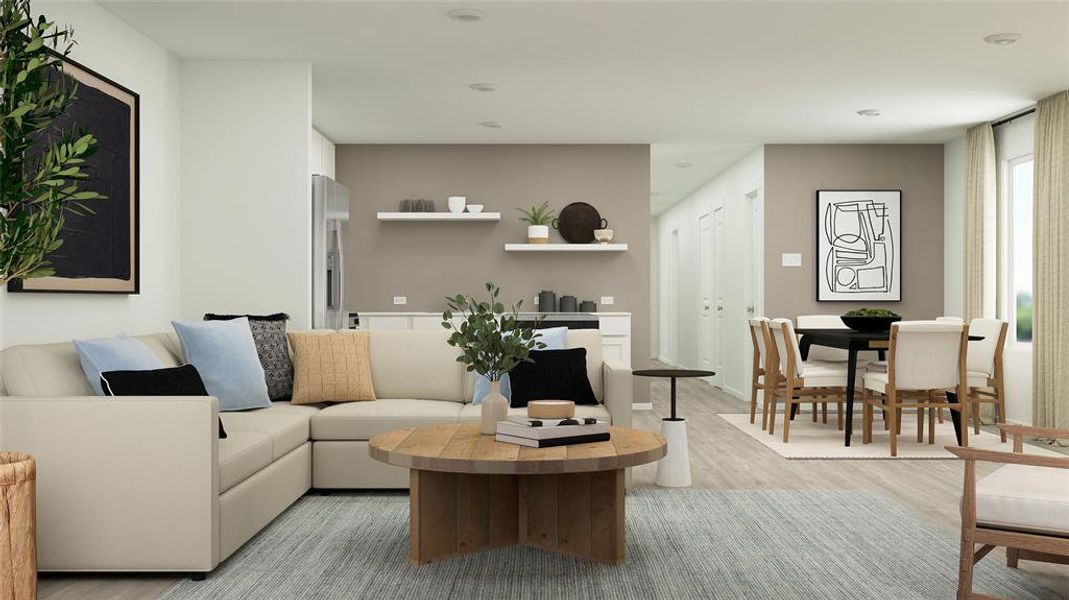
(619,392)
(123,484)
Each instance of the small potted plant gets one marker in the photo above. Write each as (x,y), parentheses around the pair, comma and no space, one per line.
(491,342)
(870,319)
(537,219)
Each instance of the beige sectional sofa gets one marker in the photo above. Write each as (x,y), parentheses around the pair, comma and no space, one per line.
(144,483)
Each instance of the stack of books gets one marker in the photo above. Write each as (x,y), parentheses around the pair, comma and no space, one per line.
(546,433)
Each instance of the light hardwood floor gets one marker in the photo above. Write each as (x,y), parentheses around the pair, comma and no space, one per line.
(722,458)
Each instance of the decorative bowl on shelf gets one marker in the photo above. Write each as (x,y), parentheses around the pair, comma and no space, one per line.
(475,208)
(870,319)
(603,236)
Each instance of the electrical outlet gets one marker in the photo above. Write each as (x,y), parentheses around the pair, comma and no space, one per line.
(400,300)
(607,300)
(791,260)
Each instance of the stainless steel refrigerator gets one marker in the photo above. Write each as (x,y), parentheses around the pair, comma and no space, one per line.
(330,224)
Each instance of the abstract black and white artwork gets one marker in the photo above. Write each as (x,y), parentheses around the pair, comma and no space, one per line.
(859,255)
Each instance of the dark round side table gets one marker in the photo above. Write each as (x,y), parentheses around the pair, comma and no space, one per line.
(674,469)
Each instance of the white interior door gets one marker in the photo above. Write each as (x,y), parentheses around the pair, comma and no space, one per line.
(718,290)
(672,300)
(705,292)
(755,259)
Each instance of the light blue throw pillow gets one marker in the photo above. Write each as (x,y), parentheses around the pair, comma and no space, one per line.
(120,353)
(554,339)
(224,354)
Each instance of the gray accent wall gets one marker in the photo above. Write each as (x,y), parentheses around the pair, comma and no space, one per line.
(794,173)
(427,261)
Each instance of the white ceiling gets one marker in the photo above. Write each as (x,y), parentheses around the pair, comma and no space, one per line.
(703,82)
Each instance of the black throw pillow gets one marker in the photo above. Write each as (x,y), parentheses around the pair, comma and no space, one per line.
(272,348)
(175,381)
(554,375)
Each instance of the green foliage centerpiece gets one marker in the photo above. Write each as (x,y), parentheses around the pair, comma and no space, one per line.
(40,174)
(491,343)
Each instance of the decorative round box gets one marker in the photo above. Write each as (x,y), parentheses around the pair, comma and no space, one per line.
(551,409)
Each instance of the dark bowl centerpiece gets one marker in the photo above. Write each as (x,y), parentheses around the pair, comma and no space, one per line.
(870,319)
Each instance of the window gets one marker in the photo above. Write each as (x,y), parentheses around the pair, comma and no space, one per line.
(1019,192)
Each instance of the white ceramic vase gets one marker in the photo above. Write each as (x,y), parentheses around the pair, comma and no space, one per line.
(494,408)
(457,203)
(538,234)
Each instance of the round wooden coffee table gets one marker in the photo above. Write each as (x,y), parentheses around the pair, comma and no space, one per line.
(470,492)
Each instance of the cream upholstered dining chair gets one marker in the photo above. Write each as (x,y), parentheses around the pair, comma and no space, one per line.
(987,381)
(765,368)
(801,381)
(1023,506)
(925,359)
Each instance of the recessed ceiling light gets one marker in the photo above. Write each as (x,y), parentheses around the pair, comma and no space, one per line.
(684,165)
(1002,39)
(869,112)
(482,87)
(490,124)
(466,15)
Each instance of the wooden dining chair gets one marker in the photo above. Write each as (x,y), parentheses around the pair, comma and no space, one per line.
(801,381)
(1023,506)
(765,370)
(987,381)
(925,360)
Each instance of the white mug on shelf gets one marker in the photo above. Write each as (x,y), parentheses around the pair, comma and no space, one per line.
(457,203)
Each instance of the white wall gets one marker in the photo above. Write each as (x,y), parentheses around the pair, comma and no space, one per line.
(728,189)
(1011,141)
(246,194)
(954,227)
(112,48)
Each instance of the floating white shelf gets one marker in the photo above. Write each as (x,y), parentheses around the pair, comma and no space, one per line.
(438,216)
(565,247)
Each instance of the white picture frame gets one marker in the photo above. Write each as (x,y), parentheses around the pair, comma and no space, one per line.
(859,251)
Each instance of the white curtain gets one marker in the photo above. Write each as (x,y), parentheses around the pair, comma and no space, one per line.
(980,226)
(1050,275)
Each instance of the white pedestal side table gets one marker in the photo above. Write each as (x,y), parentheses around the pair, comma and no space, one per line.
(674,469)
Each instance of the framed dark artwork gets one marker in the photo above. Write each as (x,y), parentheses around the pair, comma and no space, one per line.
(100,251)
(859,245)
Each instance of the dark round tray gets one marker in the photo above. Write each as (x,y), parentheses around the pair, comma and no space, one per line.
(577,222)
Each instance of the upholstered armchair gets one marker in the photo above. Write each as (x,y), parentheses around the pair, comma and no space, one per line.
(1023,506)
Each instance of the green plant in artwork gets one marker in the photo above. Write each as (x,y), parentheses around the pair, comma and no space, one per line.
(537,215)
(491,340)
(42,174)
(871,312)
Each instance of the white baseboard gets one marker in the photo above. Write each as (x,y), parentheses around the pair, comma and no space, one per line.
(642,406)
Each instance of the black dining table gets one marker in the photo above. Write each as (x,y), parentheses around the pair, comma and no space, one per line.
(854,342)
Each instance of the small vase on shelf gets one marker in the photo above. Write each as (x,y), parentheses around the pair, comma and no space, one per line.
(494,408)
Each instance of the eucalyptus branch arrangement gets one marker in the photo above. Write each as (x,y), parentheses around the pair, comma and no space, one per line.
(41,175)
(491,340)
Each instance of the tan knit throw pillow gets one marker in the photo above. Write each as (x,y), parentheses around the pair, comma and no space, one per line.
(331,366)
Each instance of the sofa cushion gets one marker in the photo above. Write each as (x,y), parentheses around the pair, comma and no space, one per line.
(286,425)
(591,340)
(1025,497)
(119,353)
(225,356)
(596,411)
(416,364)
(272,348)
(51,370)
(331,366)
(362,420)
(242,454)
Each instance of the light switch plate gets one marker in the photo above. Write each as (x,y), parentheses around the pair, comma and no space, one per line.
(607,300)
(400,300)
(792,260)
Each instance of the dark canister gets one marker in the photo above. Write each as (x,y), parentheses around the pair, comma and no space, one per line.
(588,306)
(547,301)
(568,304)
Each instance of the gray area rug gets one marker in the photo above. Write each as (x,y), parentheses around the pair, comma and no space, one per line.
(680,544)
